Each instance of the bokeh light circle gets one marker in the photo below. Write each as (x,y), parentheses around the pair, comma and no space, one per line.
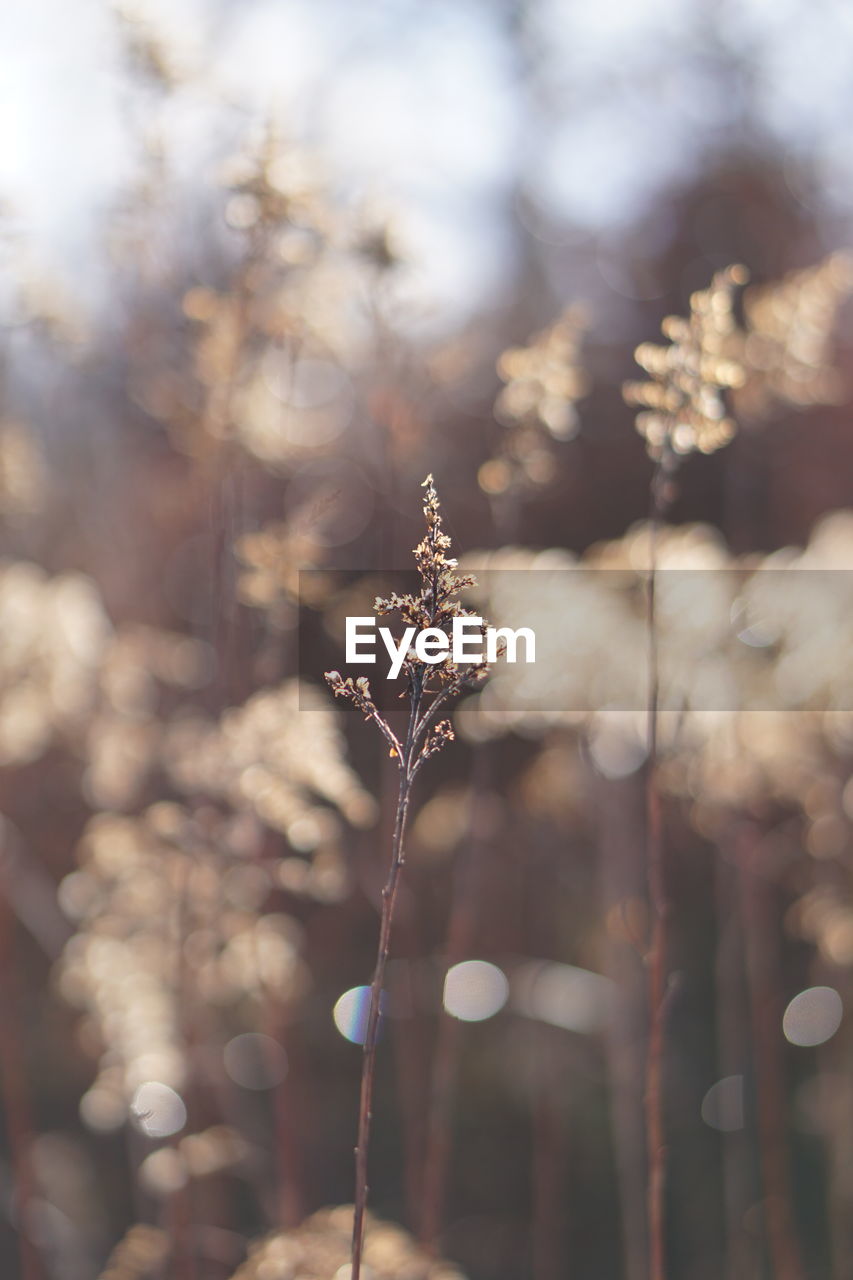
(475,990)
(351,1012)
(813,1016)
(158,1110)
(722,1106)
(255,1061)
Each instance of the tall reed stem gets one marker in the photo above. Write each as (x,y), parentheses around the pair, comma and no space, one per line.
(430,688)
(762,971)
(15,1093)
(368,1065)
(661,495)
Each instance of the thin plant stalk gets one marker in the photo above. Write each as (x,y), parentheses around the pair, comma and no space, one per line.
(16,1102)
(619,807)
(657,959)
(732,1019)
(766,1007)
(430,687)
(368,1064)
(682,411)
(181,1208)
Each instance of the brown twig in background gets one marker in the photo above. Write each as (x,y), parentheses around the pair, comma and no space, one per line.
(657,958)
(180,1209)
(365,1114)
(430,687)
(732,1022)
(681,411)
(619,806)
(766,1009)
(17,1112)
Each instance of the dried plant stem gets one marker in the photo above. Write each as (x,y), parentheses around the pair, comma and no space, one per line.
(17,1113)
(430,687)
(661,493)
(766,1007)
(368,1066)
(655,1127)
(732,1020)
(619,806)
(181,1214)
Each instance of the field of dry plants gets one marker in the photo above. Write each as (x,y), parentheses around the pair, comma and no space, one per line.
(563,952)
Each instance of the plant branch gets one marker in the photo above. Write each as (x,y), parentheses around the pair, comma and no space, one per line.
(433,685)
(662,493)
(368,1067)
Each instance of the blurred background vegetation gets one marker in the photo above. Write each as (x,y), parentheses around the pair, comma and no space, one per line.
(265,265)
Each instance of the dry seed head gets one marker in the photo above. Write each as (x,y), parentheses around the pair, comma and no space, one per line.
(159,901)
(789,329)
(544,381)
(22,473)
(140,1255)
(682,405)
(319,1249)
(435,605)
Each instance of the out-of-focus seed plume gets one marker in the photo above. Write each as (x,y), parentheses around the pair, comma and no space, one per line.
(54,631)
(275,354)
(544,380)
(682,406)
(141,671)
(163,910)
(23,478)
(319,1249)
(274,556)
(787,346)
(139,1255)
(260,758)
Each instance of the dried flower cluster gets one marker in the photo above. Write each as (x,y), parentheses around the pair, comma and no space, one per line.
(67,676)
(259,759)
(544,380)
(140,1255)
(165,914)
(144,676)
(320,1250)
(430,686)
(55,633)
(274,355)
(788,338)
(273,557)
(682,406)
(22,473)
